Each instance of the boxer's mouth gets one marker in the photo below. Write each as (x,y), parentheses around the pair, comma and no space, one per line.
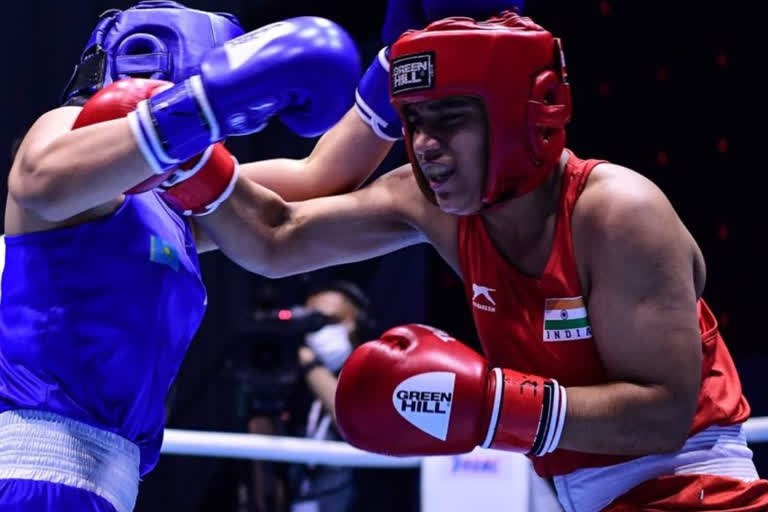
(437,174)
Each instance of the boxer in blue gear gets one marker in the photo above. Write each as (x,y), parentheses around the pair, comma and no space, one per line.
(101,291)
(94,322)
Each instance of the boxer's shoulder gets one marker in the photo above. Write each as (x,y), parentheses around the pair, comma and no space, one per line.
(614,194)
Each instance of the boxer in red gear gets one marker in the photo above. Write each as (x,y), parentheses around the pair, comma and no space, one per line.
(578,272)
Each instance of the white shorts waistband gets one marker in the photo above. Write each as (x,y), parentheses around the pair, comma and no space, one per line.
(720,451)
(43,446)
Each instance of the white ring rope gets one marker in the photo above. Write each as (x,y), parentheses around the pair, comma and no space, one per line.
(311,451)
(275,448)
(756,429)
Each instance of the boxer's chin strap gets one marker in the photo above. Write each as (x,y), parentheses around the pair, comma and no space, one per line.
(527,413)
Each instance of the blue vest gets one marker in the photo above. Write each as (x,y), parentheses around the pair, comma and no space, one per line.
(95,319)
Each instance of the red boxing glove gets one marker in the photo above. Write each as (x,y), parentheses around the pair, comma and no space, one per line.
(418,391)
(201,184)
(116,100)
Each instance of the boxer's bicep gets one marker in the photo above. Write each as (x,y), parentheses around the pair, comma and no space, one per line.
(643,314)
(60,173)
(43,132)
(643,303)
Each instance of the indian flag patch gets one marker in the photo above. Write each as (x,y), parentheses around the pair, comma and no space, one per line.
(566,320)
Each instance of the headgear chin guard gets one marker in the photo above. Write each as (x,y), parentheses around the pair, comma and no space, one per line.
(154,39)
(516,68)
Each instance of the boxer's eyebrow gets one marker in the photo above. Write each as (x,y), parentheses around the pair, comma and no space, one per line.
(456,105)
(452,103)
(444,106)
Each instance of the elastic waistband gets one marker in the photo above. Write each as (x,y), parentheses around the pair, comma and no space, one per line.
(43,446)
(719,451)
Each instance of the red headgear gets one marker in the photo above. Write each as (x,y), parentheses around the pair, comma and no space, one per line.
(516,68)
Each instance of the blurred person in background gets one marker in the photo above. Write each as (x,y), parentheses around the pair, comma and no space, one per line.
(317,488)
(322,331)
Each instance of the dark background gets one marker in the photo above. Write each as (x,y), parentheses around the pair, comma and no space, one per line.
(669,89)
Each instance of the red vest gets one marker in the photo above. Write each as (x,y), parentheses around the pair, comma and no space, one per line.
(541,324)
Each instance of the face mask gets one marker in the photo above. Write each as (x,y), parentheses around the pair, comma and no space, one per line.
(331,345)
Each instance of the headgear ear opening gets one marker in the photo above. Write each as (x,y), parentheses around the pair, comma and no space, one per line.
(153,39)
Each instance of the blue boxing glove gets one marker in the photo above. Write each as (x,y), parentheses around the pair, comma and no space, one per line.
(301,70)
(372,95)
(372,99)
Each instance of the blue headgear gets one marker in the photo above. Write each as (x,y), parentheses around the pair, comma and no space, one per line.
(153,39)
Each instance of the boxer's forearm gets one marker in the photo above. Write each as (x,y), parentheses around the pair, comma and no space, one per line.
(58,175)
(244,226)
(341,160)
(622,418)
(262,233)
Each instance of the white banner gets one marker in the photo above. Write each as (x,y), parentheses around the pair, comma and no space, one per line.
(480,480)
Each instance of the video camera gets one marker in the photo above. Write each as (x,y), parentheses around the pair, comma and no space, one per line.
(269,341)
(296,321)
